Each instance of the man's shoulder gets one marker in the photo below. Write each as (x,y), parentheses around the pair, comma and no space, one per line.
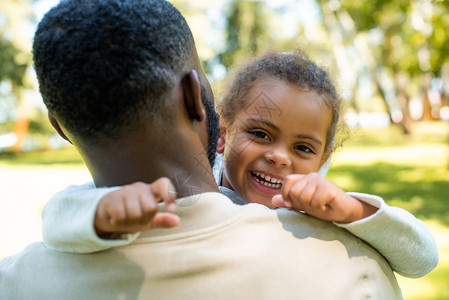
(31,249)
(301,231)
(303,244)
(300,226)
(14,268)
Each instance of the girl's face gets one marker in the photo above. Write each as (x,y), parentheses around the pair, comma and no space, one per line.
(282,130)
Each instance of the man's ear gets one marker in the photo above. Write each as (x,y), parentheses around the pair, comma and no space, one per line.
(56,126)
(192,96)
(221,139)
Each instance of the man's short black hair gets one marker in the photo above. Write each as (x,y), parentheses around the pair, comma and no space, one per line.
(104,65)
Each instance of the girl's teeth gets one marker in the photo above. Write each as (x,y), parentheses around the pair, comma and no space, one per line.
(271,185)
(268,181)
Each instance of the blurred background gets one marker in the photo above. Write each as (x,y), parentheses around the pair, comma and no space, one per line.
(389,59)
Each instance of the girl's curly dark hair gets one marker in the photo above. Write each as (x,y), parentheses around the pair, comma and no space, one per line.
(293,67)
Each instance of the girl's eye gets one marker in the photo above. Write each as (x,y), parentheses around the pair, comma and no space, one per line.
(303,148)
(259,134)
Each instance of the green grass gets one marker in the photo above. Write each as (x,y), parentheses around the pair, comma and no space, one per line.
(423,133)
(409,172)
(419,189)
(67,157)
(413,175)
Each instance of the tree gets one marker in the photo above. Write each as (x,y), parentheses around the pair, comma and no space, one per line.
(15,57)
(247,31)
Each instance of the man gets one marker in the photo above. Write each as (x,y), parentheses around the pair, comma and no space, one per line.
(122,82)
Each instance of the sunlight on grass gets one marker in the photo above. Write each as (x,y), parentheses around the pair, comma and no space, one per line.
(422,129)
(423,133)
(415,203)
(434,285)
(67,157)
(343,180)
(408,172)
(422,155)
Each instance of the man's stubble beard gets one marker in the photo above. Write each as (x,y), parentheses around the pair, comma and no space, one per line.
(213,126)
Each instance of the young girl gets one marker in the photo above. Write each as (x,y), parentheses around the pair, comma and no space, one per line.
(279,120)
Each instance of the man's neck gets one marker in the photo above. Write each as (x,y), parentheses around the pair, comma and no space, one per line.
(189,171)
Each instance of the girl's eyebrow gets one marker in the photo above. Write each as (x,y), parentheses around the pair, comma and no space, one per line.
(265,122)
(309,137)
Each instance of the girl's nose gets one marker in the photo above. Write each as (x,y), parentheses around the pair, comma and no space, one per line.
(278,157)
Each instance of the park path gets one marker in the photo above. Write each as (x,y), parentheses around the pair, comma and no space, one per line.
(23,193)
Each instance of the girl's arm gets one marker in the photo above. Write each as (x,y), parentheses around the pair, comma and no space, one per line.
(68,221)
(402,239)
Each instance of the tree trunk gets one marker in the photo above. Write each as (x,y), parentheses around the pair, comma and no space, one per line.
(21,127)
(427,108)
(382,95)
(403,101)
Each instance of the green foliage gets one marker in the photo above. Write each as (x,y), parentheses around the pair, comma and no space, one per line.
(439,39)
(11,69)
(15,56)
(7,126)
(39,124)
(402,40)
(366,14)
(246,30)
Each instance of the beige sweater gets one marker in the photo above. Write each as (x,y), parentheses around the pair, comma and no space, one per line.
(219,251)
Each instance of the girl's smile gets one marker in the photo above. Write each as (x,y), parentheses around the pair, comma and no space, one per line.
(270,184)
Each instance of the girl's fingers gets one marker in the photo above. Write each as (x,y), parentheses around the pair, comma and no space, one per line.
(289,181)
(165,220)
(278,201)
(307,194)
(296,193)
(148,207)
(116,211)
(133,209)
(321,199)
(160,220)
(163,189)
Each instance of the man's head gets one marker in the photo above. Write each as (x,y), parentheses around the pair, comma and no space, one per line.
(108,67)
(122,81)
(104,66)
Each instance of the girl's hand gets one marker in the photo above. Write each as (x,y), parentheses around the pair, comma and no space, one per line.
(318,197)
(133,208)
